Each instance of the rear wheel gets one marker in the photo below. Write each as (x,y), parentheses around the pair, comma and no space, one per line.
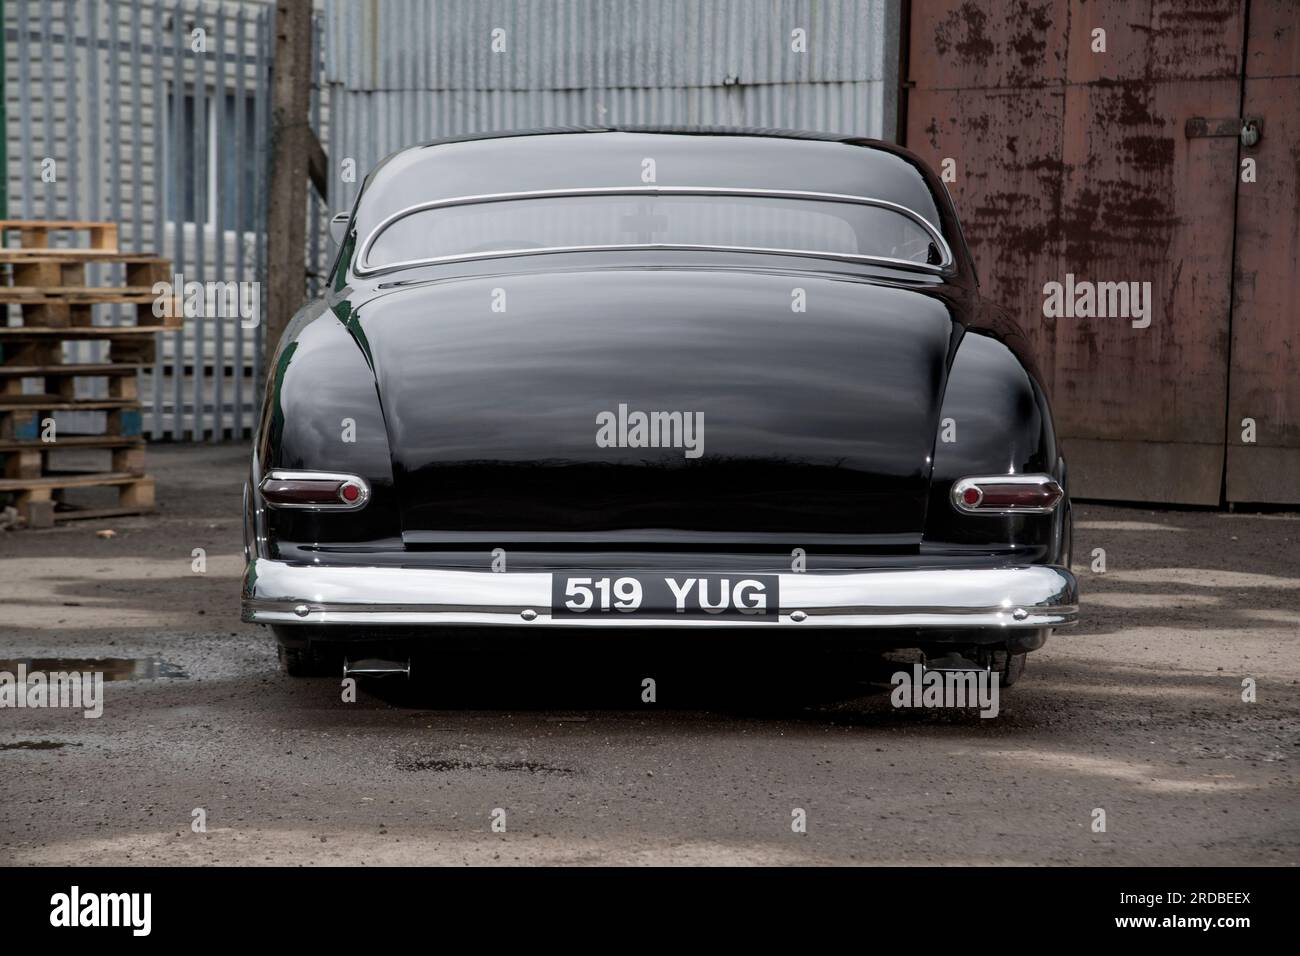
(1013,669)
(299,658)
(308,662)
(295,661)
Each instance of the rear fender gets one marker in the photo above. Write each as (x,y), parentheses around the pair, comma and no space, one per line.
(322,413)
(995,421)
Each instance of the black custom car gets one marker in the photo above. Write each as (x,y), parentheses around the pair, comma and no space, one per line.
(656,379)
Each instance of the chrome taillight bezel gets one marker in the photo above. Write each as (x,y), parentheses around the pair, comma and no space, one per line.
(979,482)
(329,481)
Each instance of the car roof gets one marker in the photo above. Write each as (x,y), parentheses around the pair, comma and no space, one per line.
(585,157)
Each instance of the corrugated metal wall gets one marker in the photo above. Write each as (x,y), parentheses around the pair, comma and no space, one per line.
(407,71)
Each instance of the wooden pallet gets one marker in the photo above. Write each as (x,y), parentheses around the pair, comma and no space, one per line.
(27,347)
(49,287)
(25,441)
(101,369)
(72,257)
(59,382)
(53,293)
(36,498)
(75,441)
(27,455)
(75,295)
(35,233)
(27,463)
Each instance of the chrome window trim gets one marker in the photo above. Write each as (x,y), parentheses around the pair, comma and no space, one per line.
(364,268)
(959,488)
(282,475)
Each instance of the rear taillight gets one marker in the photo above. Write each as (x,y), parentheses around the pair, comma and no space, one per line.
(1007,494)
(314,490)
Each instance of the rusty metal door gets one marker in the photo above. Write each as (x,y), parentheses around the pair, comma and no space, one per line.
(1264,382)
(1098,143)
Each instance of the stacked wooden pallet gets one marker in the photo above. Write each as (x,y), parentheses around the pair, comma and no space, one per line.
(49,286)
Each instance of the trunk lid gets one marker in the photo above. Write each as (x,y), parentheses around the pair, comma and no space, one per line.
(511,406)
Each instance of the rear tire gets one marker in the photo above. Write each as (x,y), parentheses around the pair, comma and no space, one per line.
(308,661)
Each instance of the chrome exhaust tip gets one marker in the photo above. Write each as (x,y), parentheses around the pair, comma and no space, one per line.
(374,667)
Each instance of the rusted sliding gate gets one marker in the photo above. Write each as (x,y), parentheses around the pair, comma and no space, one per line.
(1146,142)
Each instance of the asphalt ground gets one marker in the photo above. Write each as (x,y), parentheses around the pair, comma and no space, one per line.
(1138,713)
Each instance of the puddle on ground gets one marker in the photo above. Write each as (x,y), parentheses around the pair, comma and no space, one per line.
(113,668)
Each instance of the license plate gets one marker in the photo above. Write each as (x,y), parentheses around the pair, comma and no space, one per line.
(750,597)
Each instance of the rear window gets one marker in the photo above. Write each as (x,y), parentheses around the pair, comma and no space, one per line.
(500,226)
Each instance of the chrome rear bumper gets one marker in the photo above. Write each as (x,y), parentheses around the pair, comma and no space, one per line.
(1031,596)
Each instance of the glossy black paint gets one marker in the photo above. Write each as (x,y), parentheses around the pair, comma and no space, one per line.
(476,427)
(322,405)
(818,422)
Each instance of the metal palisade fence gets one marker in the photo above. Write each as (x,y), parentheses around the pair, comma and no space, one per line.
(155,114)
